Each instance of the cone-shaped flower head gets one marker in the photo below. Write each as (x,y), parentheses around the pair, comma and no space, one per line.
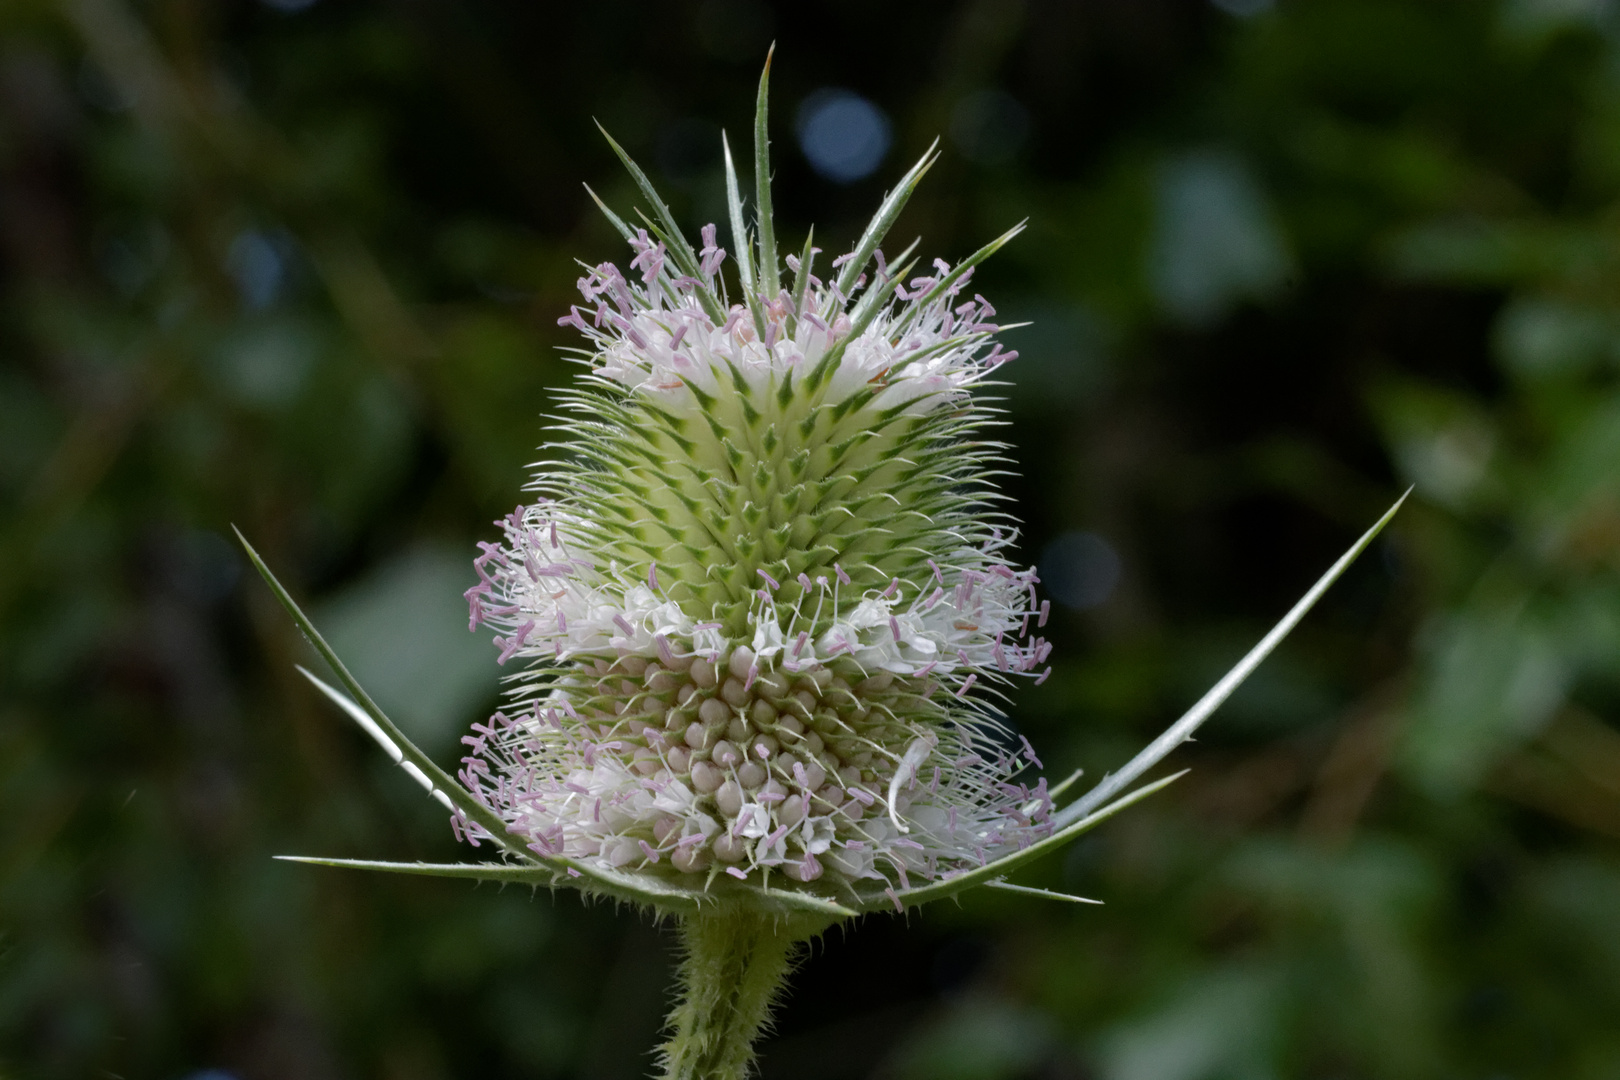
(764,591)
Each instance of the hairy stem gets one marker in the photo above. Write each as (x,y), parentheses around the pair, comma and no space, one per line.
(733,971)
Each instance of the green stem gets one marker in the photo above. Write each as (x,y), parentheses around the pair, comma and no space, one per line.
(733,971)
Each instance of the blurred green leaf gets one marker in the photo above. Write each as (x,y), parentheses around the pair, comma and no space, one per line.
(403,632)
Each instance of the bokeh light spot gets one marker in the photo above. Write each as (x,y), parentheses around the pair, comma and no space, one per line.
(844,136)
(256,264)
(1080,570)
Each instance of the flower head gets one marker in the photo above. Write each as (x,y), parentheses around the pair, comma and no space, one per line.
(763,594)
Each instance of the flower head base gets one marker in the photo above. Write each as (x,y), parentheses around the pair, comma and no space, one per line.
(760,593)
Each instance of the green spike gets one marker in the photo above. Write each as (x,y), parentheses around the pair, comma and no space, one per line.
(1182,729)
(459,796)
(877,296)
(614,219)
(801,281)
(705,400)
(679,249)
(906,254)
(865,312)
(884,219)
(769,281)
(669,420)
(740,241)
(1003,866)
(634,888)
(843,448)
(916,306)
(857,400)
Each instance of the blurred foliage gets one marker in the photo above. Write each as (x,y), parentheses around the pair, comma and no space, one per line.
(296,266)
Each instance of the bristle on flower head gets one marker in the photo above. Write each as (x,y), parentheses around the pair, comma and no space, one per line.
(756,603)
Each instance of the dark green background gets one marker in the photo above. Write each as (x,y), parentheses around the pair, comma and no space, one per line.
(300,271)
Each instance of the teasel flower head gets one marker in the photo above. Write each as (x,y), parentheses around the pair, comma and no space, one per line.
(764,593)
(760,610)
